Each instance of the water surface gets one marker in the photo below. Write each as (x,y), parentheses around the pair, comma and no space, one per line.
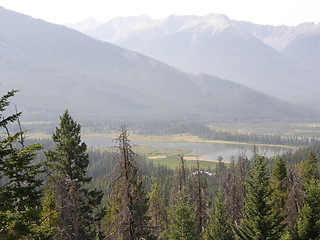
(205,151)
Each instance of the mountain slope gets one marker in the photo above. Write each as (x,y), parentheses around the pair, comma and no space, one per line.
(300,44)
(305,51)
(118,28)
(216,45)
(278,37)
(57,68)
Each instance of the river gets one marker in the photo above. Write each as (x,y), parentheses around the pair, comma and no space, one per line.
(205,151)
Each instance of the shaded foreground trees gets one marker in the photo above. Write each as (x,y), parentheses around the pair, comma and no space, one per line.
(20,184)
(255,204)
(182,222)
(219,226)
(157,212)
(76,204)
(259,222)
(308,224)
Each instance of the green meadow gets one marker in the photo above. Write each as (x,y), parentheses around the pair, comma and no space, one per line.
(171,157)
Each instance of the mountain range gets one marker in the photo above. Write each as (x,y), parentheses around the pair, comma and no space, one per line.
(282,61)
(57,68)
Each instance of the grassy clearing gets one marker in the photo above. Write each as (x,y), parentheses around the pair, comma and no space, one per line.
(170,157)
(155,153)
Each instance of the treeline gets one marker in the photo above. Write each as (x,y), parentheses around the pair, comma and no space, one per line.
(60,194)
(194,129)
(203,131)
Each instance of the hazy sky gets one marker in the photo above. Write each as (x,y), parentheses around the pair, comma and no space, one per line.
(275,12)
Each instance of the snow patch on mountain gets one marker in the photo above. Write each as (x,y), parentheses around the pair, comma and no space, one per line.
(278,37)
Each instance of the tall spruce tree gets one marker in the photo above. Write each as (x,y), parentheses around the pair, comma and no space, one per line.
(219,227)
(182,224)
(307,169)
(182,212)
(77,204)
(259,222)
(278,184)
(20,185)
(157,212)
(308,224)
(126,217)
(294,200)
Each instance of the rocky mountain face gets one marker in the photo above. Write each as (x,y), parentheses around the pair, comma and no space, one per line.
(282,61)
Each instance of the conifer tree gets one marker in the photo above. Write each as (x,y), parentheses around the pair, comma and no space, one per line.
(219,227)
(294,200)
(20,185)
(279,187)
(77,204)
(182,225)
(307,169)
(128,204)
(308,225)
(182,213)
(259,222)
(157,212)
(220,172)
(50,215)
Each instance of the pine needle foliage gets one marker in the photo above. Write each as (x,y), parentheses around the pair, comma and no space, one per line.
(259,222)
(308,225)
(219,227)
(157,212)
(182,224)
(20,185)
(76,202)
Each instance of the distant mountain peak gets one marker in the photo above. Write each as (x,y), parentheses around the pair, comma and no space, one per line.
(62,68)
(120,27)
(84,25)
(248,53)
(212,21)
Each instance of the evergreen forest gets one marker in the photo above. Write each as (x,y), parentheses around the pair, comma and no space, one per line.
(61,189)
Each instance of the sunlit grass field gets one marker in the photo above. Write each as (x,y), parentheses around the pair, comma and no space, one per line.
(171,157)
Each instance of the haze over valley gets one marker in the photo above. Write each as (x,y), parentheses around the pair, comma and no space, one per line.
(282,61)
(194,125)
(56,68)
(148,73)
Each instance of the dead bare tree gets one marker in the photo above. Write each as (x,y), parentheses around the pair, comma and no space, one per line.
(127,206)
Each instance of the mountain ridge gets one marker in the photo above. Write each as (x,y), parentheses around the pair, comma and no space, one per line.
(253,55)
(57,68)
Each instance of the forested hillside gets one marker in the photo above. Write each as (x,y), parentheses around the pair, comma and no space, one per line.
(71,192)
